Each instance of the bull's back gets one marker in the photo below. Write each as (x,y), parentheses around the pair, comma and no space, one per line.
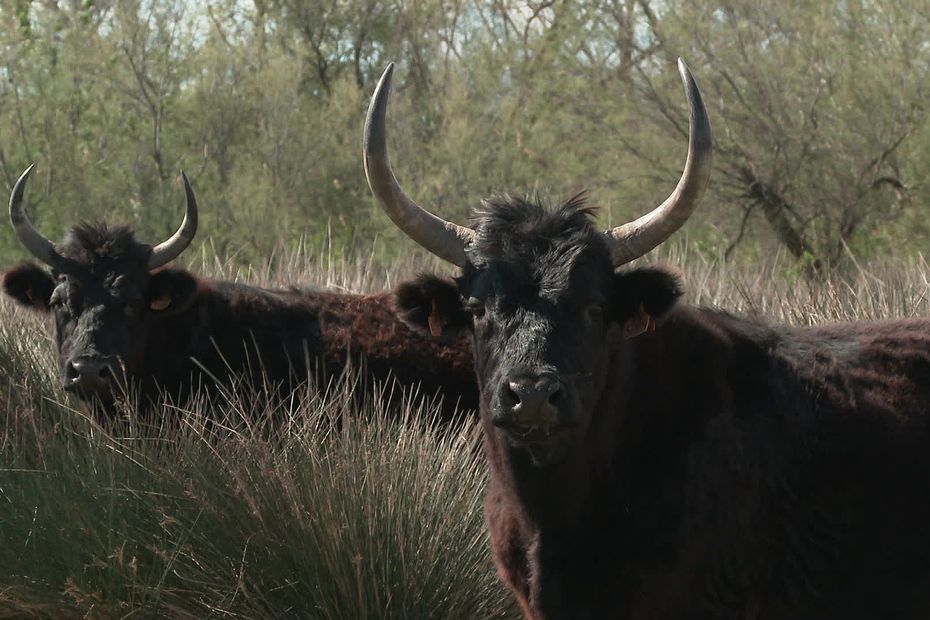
(864,493)
(286,337)
(878,371)
(366,329)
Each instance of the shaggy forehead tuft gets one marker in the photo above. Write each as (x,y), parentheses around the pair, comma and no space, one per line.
(538,245)
(97,243)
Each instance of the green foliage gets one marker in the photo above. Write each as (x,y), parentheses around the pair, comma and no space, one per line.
(818,109)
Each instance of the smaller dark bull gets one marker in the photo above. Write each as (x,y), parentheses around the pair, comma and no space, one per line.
(122,318)
(655,461)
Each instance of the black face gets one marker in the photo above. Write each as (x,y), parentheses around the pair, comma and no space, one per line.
(101,327)
(547,311)
(539,331)
(103,307)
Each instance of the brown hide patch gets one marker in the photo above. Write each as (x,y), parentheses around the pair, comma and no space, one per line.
(351,326)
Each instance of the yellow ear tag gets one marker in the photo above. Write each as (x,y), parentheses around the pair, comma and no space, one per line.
(435,323)
(638,323)
(161,303)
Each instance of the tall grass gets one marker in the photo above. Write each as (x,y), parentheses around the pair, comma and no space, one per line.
(773,291)
(339,509)
(371,517)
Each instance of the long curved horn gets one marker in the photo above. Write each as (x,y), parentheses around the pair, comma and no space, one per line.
(444,239)
(634,239)
(38,246)
(167,251)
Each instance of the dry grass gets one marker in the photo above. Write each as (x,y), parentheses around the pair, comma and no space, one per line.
(892,288)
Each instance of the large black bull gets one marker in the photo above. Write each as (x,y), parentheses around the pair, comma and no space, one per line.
(649,460)
(122,318)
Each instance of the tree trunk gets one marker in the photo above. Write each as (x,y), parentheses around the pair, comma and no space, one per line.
(775,209)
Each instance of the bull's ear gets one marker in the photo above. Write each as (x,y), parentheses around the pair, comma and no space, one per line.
(29,285)
(172,291)
(643,295)
(431,305)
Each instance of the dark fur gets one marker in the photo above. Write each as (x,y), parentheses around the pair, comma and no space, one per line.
(720,468)
(214,329)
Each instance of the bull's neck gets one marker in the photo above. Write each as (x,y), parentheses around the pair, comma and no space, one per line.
(549,495)
(668,383)
(646,417)
(175,339)
(220,327)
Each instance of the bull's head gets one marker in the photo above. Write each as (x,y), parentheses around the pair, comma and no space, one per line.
(539,289)
(103,291)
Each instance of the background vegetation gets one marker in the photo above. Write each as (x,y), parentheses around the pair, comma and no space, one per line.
(819,110)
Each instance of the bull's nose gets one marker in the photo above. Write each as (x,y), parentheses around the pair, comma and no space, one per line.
(532,399)
(87,372)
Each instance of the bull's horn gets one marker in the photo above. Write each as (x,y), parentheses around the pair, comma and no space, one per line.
(167,251)
(634,239)
(38,246)
(444,239)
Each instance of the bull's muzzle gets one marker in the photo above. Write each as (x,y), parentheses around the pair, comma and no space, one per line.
(529,401)
(89,373)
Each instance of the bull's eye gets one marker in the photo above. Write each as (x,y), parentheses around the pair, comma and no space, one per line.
(475,306)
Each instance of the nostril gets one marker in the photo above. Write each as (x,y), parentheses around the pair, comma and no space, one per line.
(71,372)
(88,370)
(510,394)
